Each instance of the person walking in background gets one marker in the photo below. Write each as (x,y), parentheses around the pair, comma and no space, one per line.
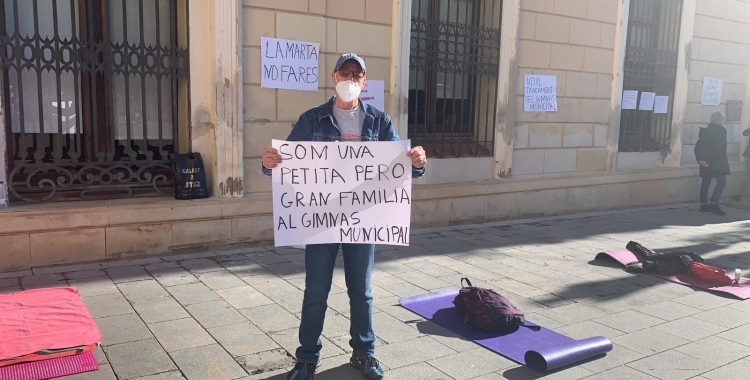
(745,181)
(711,153)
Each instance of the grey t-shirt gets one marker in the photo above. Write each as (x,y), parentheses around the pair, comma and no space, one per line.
(350,122)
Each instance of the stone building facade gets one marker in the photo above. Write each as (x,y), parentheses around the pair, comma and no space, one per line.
(454,74)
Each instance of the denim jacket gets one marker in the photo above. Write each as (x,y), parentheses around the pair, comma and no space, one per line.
(318,124)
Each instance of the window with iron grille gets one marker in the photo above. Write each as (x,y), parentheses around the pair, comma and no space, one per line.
(91,90)
(650,65)
(453,70)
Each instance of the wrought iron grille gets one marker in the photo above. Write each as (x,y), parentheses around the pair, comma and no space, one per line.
(650,66)
(91,90)
(453,70)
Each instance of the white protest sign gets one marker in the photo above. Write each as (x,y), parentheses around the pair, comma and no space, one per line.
(661,104)
(629,99)
(711,95)
(540,94)
(374,94)
(289,65)
(647,101)
(342,192)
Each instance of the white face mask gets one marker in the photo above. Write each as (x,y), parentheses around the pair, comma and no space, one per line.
(347,90)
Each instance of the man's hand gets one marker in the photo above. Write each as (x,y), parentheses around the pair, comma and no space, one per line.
(271,157)
(703,163)
(418,157)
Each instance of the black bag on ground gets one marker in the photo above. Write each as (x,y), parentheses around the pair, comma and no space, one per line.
(485,309)
(189,176)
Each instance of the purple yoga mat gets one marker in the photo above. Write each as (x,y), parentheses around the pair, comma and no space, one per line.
(542,350)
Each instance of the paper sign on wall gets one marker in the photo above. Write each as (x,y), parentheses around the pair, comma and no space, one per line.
(290,65)
(374,94)
(629,99)
(647,101)
(342,192)
(711,95)
(540,94)
(661,104)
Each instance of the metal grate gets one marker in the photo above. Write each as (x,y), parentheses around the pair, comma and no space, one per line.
(91,88)
(453,69)
(650,66)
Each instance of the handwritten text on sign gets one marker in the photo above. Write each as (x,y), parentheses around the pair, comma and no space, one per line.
(290,65)
(711,94)
(342,192)
(540,93)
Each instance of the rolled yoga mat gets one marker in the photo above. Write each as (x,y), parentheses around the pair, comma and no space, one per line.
(542,350)
(624,257)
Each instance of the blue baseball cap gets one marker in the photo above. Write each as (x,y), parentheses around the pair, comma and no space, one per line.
(350,57)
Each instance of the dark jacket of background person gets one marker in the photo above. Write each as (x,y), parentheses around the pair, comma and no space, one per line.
(712,148)
(747,150)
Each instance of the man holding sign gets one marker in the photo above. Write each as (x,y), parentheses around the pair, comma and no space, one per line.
(347,119)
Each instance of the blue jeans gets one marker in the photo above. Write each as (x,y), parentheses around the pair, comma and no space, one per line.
(319,263)
(721,183)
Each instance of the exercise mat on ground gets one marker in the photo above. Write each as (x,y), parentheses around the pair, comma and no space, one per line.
(624,257)
(44,324)
(50,368)
(542,350)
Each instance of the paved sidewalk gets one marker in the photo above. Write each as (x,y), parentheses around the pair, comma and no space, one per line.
(234,314)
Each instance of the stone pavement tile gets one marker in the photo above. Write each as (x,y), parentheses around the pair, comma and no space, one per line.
(16,274)
(131,262)
(101,357)
(526,373)
(271,318)
(223,279)
(242,339)
(192,293)
(716,350)
(422,280)
(419,371)
(734,370)
(690,328)
(571,314)
(544,321)
(338,368)
(431,268)
(214,314)
(289,341)
(446,337)
(286,270)
(621,373)
(142,290)
(94,286)
(243,297)
(397,311)
(391,329)
(10,282)
(267,364)
(337,302)
(588,329)
(490,376)
(279,374)
(391,267)
(724,316)
(107,305)
(743,306)
(629,321)
(202,265)
(669,310)
(738,335)
(404,289)
(173,276)
(161,266)
(268,257)
(65,268)
(412,351)
(43,281)
(137,359)
(704,300)
(122,329)
(649,342)
(476,273)
(504,285)
(92,273)
(672,365)
(615,358)
(127,274)
(181,334)
(335,324)
(207,362)
(172,375)
(104,373)
(470,364)
(552,300)
(159,309)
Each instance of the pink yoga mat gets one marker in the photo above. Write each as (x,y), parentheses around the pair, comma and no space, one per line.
(742,291)
(50,368)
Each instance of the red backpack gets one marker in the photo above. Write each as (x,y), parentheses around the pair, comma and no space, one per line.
(485,309)
(711,274)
